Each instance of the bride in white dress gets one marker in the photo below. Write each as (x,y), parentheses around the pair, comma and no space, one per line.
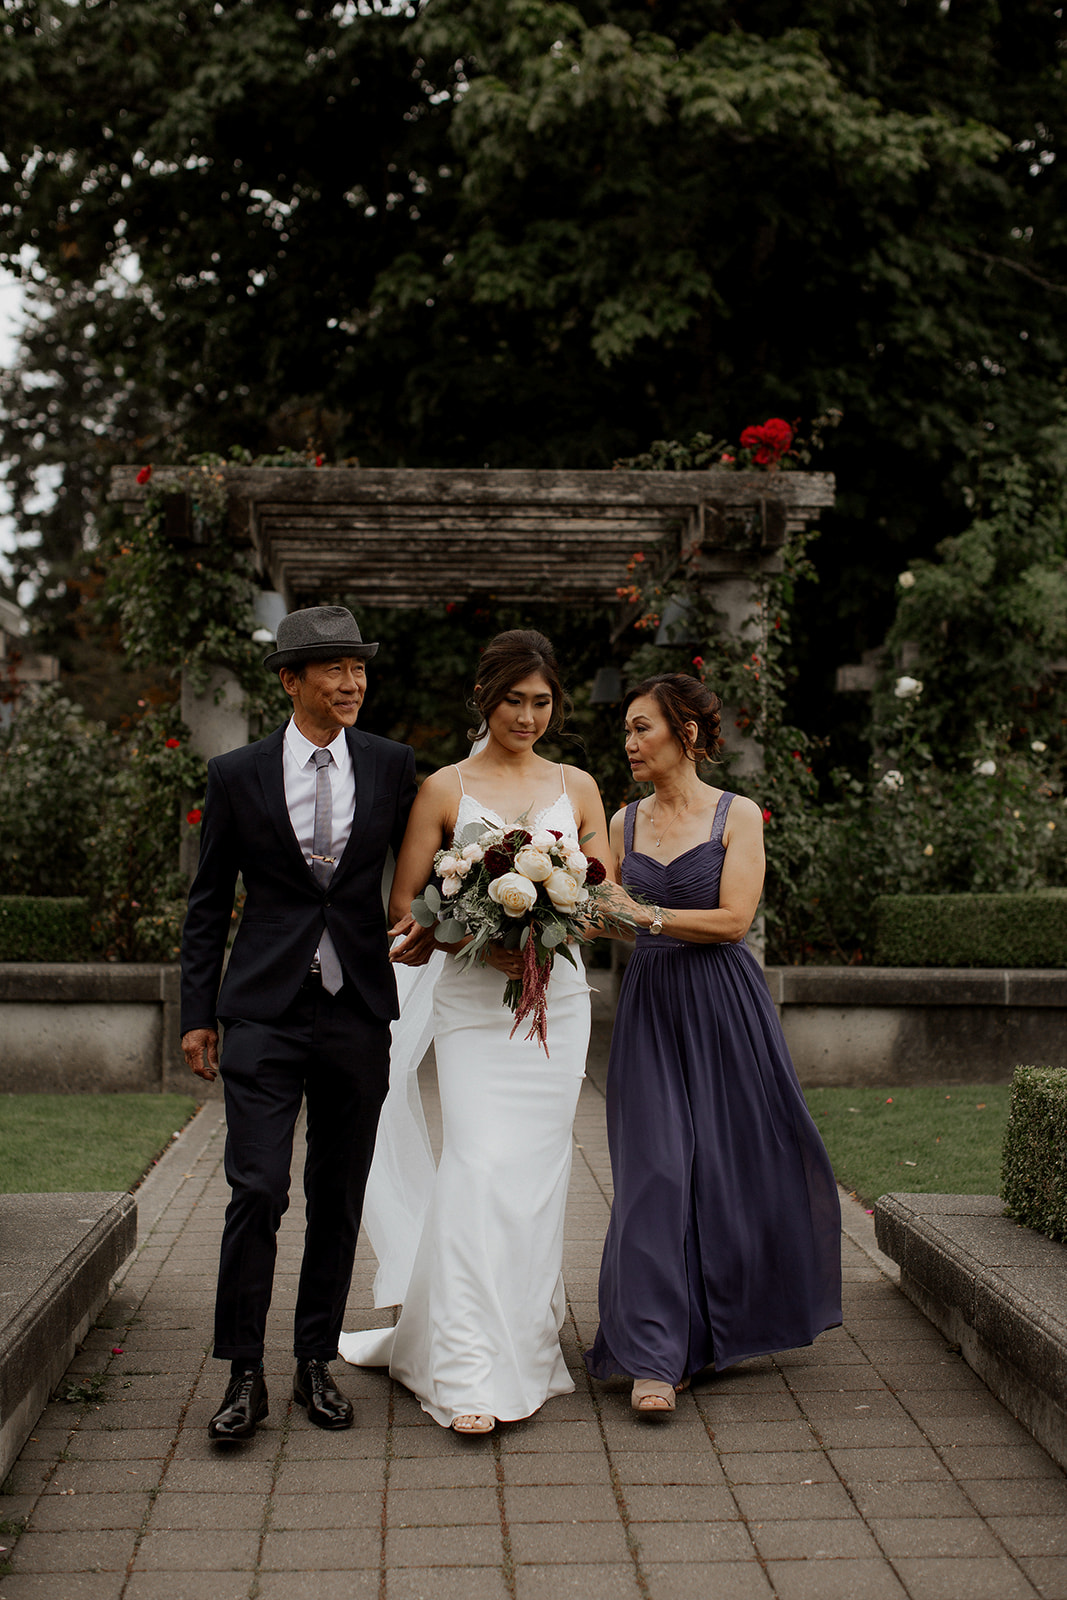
(477,1339)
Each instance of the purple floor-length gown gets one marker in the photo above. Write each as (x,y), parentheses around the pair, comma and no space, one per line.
(724,1240)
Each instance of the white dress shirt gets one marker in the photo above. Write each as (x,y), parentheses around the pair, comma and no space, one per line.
(301,777)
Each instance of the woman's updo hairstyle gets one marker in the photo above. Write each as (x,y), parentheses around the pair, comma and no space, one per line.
(506,660)
(684,699)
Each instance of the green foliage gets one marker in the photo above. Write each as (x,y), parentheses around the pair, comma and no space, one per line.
(99,814)
(59,1143)
(914,1140)
(36,929)
(187,604)
(1034,1179)
(985,624)
(972,930)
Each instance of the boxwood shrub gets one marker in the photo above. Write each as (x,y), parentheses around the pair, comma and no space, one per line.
(36,928)
(1034,1172)
(972,930)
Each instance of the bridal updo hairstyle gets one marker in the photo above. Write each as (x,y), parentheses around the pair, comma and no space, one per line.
(684,699)
(505,661)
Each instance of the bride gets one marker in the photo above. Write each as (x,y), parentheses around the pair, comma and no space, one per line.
(477,1339)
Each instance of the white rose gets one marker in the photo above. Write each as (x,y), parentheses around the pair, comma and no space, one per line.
(906,580)
(533,864)
(1038,746)
(451,886)
(907,688)
(892,779)
(463,866)
(543,840)
(473,852)
(448,866)
(577,864)
(985,769)
(514,892)
(564,890)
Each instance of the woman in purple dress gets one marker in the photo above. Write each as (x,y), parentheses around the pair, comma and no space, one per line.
(724,1240)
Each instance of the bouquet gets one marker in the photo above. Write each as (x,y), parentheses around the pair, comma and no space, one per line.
(526,891)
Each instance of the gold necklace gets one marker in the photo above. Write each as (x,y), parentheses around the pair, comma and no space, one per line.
(670,824)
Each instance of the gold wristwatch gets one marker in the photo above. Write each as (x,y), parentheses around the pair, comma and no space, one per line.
(656,925)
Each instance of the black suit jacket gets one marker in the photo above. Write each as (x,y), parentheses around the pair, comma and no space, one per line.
(246,830)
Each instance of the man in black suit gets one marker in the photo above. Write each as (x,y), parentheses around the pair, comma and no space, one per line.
(306,1000)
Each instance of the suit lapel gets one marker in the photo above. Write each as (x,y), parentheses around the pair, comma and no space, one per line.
(364,762)
(270,765)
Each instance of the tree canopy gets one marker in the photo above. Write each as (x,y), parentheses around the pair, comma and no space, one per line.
(521,232)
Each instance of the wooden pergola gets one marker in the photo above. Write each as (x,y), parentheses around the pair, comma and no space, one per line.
(421,536)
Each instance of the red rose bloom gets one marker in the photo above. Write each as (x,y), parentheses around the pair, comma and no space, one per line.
(595,872)
(497,861)
(766,813)
(193,817)
(770,441)
(174,744)
(144,474)
(517,839)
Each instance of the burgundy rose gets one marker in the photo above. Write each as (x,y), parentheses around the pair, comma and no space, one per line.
(595,872)
(516,839)
(497,861)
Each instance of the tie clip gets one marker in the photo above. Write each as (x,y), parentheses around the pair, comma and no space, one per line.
(330,859)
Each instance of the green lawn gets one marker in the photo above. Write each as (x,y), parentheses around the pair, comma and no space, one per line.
(83,1142)
(915,1140)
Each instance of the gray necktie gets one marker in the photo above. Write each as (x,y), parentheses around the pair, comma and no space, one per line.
(322,864)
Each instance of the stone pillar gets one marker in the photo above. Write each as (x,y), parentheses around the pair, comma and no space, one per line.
(217,721)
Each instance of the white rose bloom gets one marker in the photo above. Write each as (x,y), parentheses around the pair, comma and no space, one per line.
(577,864)
(514,892)
(1038,746)
(543,840)
(907,688)
(533,864)
(473,852)
(892,779)
(451,886)
(906,580)
(448,866)
(564,890)
(985,769)
(463,866)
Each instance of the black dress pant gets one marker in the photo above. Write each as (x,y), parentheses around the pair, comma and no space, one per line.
(333,1051)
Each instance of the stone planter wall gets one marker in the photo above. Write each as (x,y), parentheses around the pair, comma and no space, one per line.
(93,1027)
(900,1025)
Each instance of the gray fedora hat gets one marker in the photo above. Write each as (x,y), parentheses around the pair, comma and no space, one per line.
(319,633)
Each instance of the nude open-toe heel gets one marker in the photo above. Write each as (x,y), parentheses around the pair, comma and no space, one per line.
(651,1397)
(473,1422)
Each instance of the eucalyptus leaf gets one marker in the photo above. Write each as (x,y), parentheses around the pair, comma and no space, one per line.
(451,931)
(422,913)
(552,936)
(432,896)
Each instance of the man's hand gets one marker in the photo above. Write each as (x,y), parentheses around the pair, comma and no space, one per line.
(200,1047)
(417,944)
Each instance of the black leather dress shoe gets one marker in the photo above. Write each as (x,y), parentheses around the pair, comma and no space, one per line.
(314,1387)
(244,1405)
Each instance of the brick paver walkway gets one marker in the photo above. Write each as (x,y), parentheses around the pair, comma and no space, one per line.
(872,1466)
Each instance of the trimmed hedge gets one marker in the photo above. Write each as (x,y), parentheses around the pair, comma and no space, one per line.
(1034,1172)
(971,930)
(33,928)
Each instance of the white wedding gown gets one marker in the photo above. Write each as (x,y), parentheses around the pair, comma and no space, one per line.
(478,1331)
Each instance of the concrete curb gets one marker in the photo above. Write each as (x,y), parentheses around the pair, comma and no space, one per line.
(996,1289)
(58,1256)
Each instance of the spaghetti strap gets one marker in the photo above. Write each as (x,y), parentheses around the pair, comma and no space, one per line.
(629,823)
(563,776)
(725,801)
(459,775)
